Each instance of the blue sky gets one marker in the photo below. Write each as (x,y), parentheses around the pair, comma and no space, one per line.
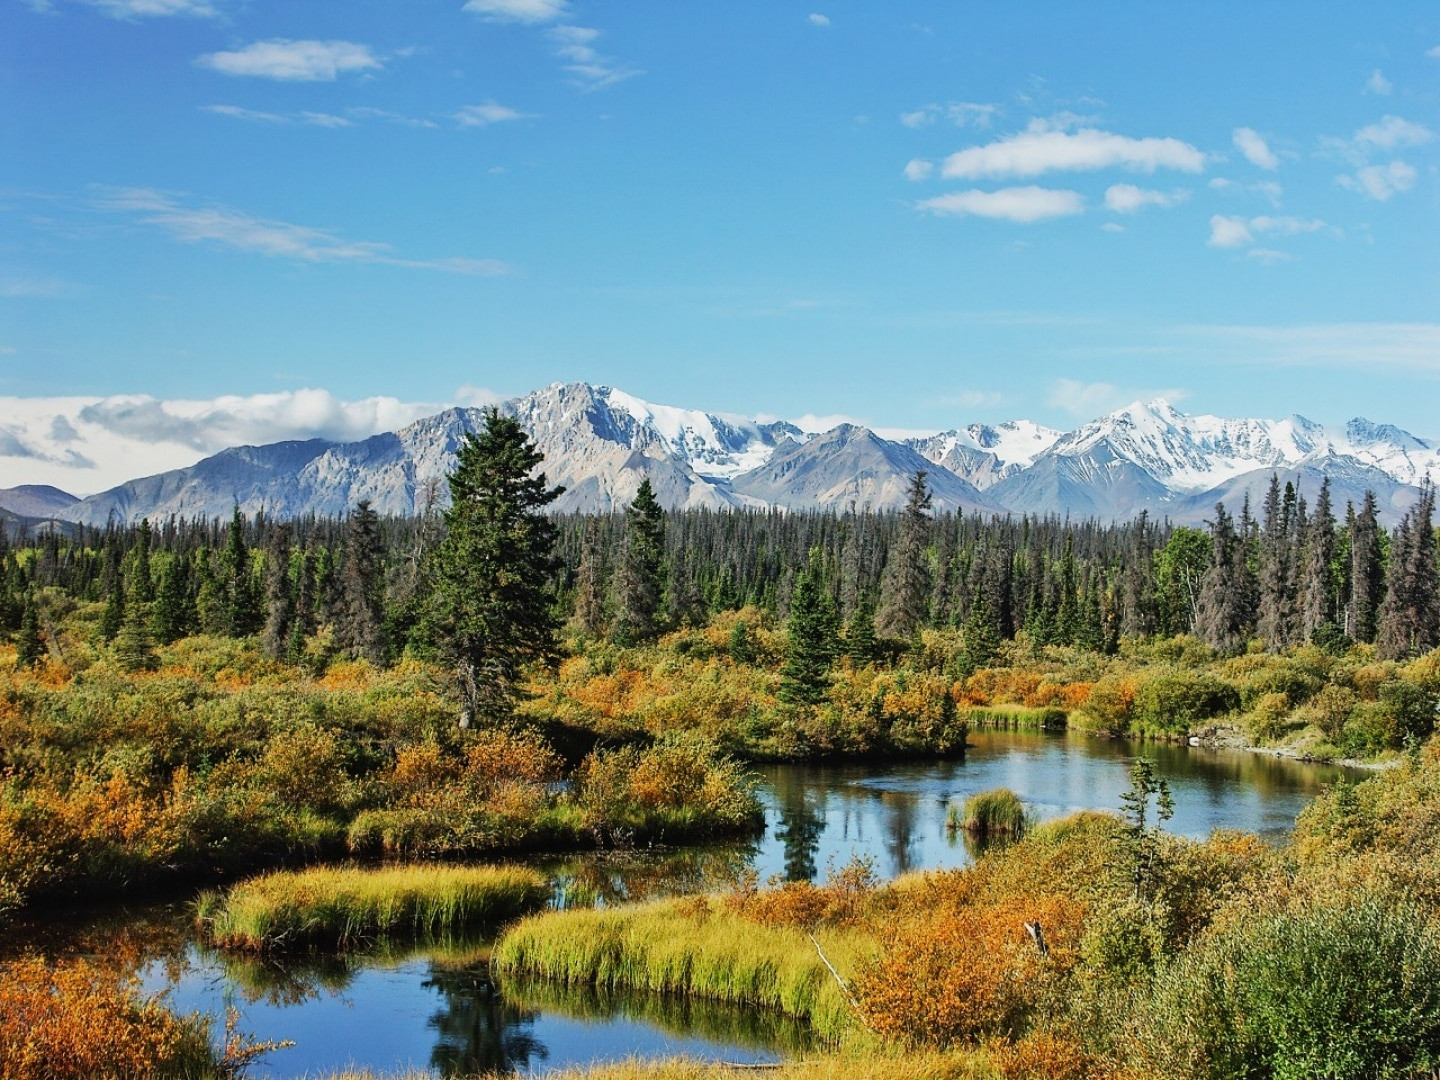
(917,215)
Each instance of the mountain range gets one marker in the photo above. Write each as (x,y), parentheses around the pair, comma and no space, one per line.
(600,443)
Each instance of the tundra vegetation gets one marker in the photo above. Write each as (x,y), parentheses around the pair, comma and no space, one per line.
(203,699)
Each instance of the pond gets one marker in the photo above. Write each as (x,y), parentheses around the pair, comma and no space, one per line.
(437,1009)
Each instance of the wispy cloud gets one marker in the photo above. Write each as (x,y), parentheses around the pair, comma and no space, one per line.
(591,70)
(816,19)
(488,113)
(256,116)
(293,61)
(1019,204)
(141,9)
(521,11)
(1127,198)
(1088,400)
(1041,149)
(1379,182)
(1234,232)
(1268,188)
(24,287)
(227,227)
(1393,132)
(959,113)
(1256,150)
(1378,84)
(1357,346)
(919,169)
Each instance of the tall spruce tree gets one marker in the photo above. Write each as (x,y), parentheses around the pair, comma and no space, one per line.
(360,629)
(279,594)
(589,597)
(1409,616)
(174,615)
(905,586)
(1224,609)
(1317,590)
(244,610)
(1276,620)
(29,647)
(490,611)
(639,578)
(1367,571)
(814,637)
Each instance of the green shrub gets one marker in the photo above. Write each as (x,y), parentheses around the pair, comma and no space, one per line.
(1178,701)
(1350,989)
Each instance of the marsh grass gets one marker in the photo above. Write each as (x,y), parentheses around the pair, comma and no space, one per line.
(690,950)
(1016,717)
(349,906)
(990,813)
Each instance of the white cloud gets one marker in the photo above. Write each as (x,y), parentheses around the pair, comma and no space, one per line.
(477,397)
(591,70)
(239,231)
(1268,255)
(1092,399)
(1127,198)
(1112,227)
(959,113)
(1250,143)
(1229,232)
(313,119)
(1355,346)
(816,19)
(1021,204)
(88,444)
(1392,132)
(919,169)
(1379,182)
(1268,188)
(293,61)
(1433,53)
(488,113)
(1378,84)
(144,9)
(1041,149)
(973,399)
(523,11)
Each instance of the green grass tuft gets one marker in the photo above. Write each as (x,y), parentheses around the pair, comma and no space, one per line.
(990,813)
(347,906)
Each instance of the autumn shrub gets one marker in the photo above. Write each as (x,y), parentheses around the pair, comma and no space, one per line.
(74,1020)
(1044,1055)
(1177,700)
(840,901)
(969,973)
(1267,716)
(679,786)
(1349,989)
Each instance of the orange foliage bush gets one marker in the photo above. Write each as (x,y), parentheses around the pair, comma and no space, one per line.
(1044,1055)
(970,973)
(75,1021)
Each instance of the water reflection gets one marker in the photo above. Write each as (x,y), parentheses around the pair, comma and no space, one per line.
(480,1031)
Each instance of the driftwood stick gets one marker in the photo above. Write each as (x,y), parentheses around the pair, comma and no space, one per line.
(844,987)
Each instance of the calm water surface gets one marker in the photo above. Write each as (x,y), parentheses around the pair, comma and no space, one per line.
(437,1008)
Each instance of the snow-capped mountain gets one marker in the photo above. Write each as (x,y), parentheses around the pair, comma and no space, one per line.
(601,443)
(984,454)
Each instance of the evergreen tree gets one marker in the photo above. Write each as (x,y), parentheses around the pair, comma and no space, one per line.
(29,647)
(860,643)
(490,612)
(639,577)
(1277,615)
(814,638)
(244,612)
(1367,572)
(589,600)
(134,649)
(1409,617)
(905,587)
(141,583)
(361,627)
(113,618)
(279,595)
(1223,611)
(174,615)
(1317,588)
(980,638)
(741,648)
(1067,617)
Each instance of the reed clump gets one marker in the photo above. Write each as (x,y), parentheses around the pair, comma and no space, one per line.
(347,906)
(998,812)
(694,948)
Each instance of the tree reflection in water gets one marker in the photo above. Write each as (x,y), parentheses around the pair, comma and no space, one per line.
(800,826)
(480,1032)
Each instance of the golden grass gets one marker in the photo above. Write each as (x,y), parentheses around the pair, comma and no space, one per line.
(687,948)
(345,906)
